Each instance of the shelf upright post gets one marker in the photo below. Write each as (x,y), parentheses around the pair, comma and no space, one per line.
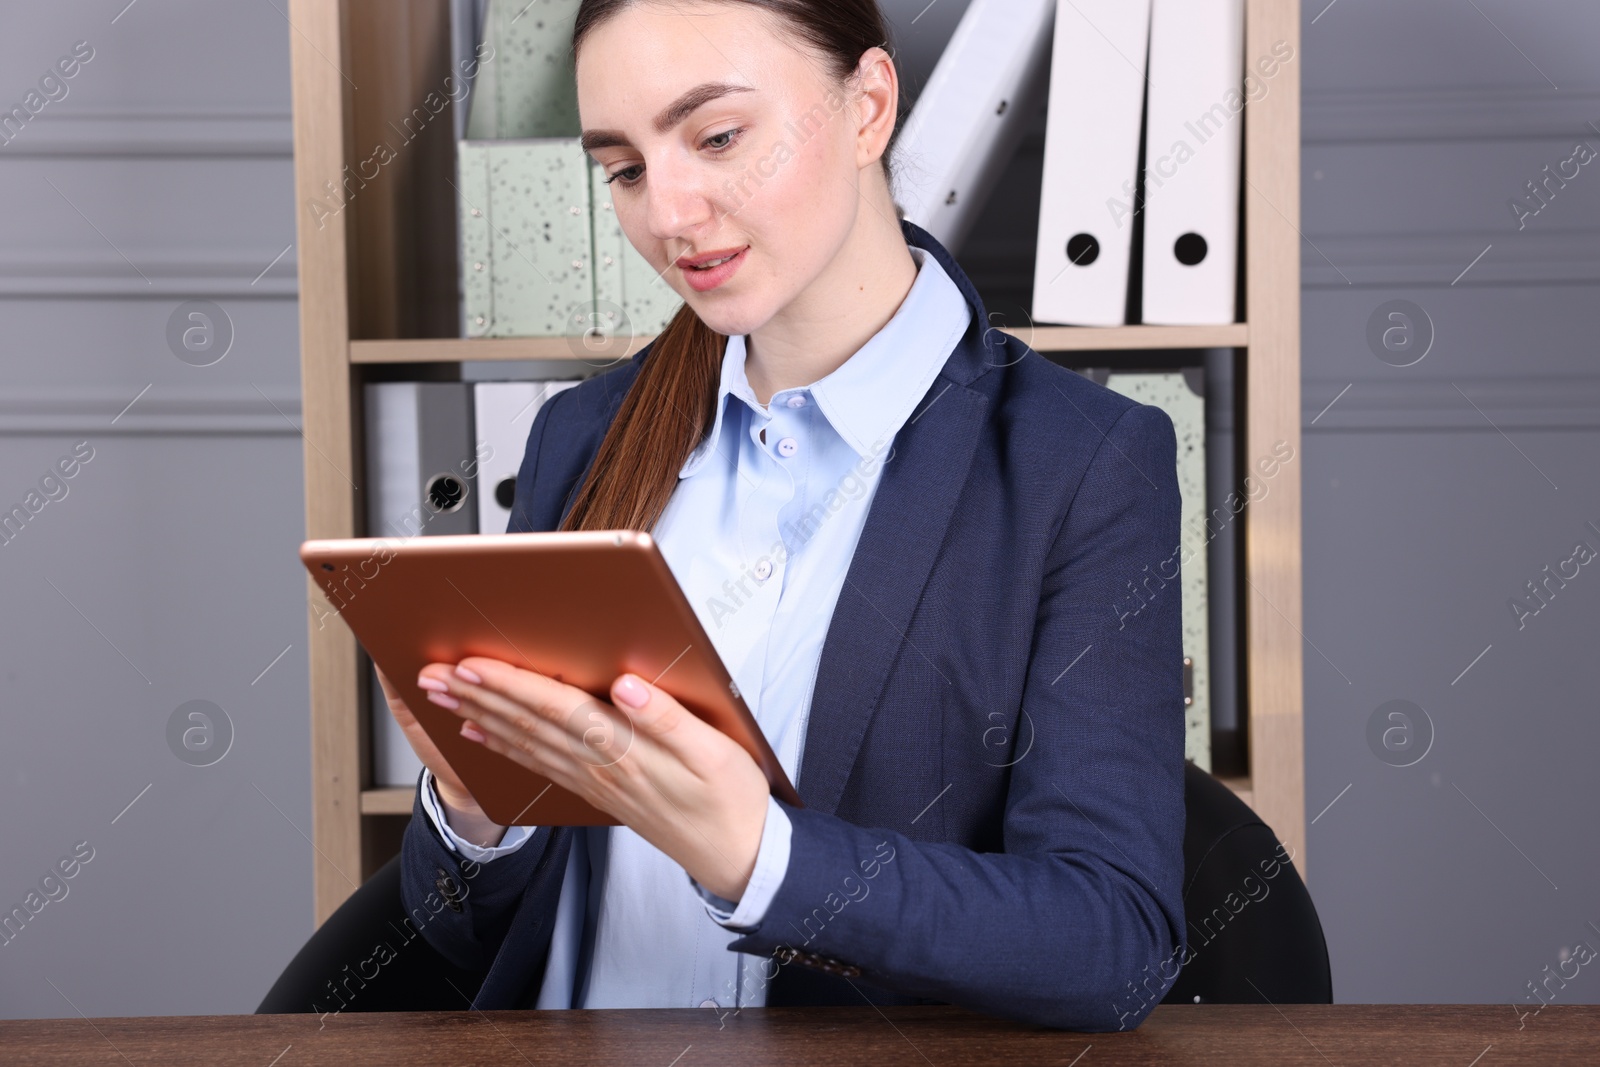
(319,62)
(1271,600)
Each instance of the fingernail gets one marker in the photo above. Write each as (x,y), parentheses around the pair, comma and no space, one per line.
(427,682)
(444,700)
(472,733)
(469,675)
(631,691)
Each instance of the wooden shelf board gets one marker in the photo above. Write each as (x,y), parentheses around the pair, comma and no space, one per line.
(1101,338)
(387,801)
(1039,338)
(451,349)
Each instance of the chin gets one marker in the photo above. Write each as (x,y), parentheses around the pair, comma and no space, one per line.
(729,318)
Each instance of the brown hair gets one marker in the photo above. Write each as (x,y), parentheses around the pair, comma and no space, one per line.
(670,406)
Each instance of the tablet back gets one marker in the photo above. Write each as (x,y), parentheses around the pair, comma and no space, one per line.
(580,607)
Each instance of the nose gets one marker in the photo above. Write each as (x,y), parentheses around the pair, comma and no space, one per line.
(677,201)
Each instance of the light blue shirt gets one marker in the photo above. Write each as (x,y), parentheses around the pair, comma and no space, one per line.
(759,533)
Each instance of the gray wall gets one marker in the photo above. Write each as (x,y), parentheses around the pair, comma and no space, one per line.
(1435,492)
(167,574)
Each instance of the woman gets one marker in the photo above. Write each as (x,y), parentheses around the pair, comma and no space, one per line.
(928,556)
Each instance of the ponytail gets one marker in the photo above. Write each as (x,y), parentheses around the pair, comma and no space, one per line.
(669,407)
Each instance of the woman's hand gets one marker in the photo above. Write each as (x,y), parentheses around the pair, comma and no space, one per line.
(679,782)
(461,810)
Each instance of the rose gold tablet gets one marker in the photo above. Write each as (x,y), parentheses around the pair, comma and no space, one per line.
(581,607)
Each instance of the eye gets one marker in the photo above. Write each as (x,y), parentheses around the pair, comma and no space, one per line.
(731,135)
(625,181)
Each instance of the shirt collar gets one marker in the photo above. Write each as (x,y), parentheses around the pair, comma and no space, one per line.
(871,395)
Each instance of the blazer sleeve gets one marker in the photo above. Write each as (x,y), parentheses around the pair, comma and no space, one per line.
(1079,922)
(465,907)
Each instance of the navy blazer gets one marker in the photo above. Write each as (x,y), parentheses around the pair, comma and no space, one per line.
(994,762)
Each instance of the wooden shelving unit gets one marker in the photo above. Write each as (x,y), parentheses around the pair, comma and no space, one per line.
(1040,338)
(377,293)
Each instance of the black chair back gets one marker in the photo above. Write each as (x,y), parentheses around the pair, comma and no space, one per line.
(1254,936)
(369,957)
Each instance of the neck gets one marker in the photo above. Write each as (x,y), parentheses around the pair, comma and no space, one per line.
(853,298)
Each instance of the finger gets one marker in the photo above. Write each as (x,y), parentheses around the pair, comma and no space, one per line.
(653,711)
(539,751)
(698,750)
(449,686)
(538,693)
(583,766)
(594,732)
(521,749)
(489,713)
(510,723)
(555,739)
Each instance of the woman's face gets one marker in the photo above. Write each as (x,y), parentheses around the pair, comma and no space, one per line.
(721,137)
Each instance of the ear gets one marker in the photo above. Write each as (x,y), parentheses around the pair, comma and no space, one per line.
(876,105)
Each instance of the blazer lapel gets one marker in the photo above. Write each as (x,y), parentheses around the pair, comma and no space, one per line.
(916,496)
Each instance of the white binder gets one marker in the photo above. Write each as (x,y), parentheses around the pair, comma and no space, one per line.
(968,120)
(466,31)
(1193,145)
(504,414)
(420,476)
(1091,159)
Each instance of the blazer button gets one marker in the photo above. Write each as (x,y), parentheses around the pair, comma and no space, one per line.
(449,891)
(816,961)
(829,965)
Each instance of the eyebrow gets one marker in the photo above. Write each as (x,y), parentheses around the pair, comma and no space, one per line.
(670,115)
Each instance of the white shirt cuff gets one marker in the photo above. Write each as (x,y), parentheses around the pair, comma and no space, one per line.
(772,863)
(515,838)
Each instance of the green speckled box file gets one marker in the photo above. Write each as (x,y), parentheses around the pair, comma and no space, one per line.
(525,237)
(542,253)
(528,89)
(473,197)
(1169,391)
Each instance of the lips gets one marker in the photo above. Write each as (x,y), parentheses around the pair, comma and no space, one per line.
(709,270)
(708,259)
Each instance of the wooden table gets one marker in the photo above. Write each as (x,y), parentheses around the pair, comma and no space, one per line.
(1341,1035)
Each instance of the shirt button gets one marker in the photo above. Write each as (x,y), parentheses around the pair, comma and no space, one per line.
(788,446)
(797,401)
(708,1003)
(763,570)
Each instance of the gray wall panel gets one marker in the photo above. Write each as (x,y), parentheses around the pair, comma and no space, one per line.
(167,573)
(1434,492)
(1420,538)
